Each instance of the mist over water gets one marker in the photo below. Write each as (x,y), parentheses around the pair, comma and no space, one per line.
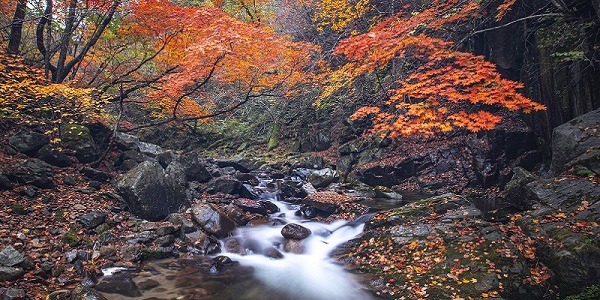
(312,275)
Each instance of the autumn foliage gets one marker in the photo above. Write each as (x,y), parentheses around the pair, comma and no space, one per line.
(446,89)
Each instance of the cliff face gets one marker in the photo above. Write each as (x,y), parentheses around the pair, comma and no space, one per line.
(557,56)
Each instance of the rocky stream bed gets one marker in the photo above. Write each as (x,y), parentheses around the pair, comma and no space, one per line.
(158,224)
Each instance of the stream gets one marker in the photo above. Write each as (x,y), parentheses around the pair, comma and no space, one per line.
(260,268)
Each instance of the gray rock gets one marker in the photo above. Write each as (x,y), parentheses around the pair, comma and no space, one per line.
(558,193)
(251,206)
(10,257)
(225,185)
(573,139)
(29,143)
(194,168)
(323,177)
(295,231)
(293,246)
(60,295)
(36,172)
(149,193)
(119,283)
(212,219)
(5,183)
(79,140)
(92,220)
(14,294)
(94,174)
(515,189)
(54,156)
(236,214)
(10,273)
(165,241)
(241,164)
(176,171)
(125,141)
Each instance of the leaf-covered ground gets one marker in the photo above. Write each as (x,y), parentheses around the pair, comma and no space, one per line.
(442,248)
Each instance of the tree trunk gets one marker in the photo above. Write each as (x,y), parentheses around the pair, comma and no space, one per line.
(16,28)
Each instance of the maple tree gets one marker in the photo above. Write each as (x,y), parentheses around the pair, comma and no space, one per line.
(182,53)
(444,88)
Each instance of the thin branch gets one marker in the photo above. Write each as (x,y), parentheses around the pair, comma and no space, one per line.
(513,22)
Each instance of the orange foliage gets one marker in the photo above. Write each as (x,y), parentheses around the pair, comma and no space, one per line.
(436,96)
(197,45)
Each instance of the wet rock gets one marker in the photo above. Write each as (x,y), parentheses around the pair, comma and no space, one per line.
(10,257)
(78,140)
(273,253)
(149,193)
(130,252)
(176,171)
(232,245)
(248,191)
(557,193)
(54,156)
(119,283)
(293,189)
(269,206)
(573,139)
(36,172)
(295,231)
(186,225)
(236,214)
(29,143)
(323,177)
(225,185)
(166,230)
(515,190)
(251,206)
(92,220)
(246,178)
(293,246)
(164,241)
(148,284)
(212,219)
(10,273)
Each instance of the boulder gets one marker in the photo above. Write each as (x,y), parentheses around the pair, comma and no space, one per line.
(29,143)
(515,190)
(10,257)
(241,164)
(34,171)
(119,283)
(10,273)
(78,140)
(92,220)
(573,139)
(195,170)
(54,156)
(251,206)
(323,177)
(225,185)
(295,231)
(13,294)
(149,193)
(212,219)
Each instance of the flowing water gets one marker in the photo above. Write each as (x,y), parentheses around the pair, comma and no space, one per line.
(310,275)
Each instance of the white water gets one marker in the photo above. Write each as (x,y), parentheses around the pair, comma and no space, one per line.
(311,275)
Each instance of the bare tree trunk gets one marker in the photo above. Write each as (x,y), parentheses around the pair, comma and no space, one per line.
(16,28)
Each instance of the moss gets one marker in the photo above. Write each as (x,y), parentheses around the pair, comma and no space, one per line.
(71,239)
(589,293)
(18,209)
(149,254)
(585,172)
